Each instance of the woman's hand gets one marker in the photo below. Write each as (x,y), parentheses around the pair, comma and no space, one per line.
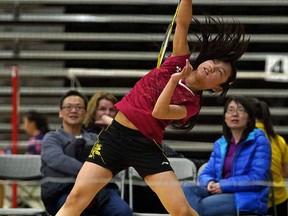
(214,187)
(104,120)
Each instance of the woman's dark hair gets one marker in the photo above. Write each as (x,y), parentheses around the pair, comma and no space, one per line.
(40,120)
(226,44)
(73,92)
(251,117)
(262,113)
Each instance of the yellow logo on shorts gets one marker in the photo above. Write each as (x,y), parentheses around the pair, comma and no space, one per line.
(95,150)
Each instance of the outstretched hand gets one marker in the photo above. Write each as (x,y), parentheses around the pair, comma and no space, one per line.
(104,120)
(186,71)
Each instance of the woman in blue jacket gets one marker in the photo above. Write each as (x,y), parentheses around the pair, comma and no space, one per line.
(237,173)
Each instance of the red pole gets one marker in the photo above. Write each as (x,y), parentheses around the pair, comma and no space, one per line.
(14,124)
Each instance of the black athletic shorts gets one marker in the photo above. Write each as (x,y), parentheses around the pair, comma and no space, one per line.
(119,147)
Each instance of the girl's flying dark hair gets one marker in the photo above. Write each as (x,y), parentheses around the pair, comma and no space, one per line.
(227,43)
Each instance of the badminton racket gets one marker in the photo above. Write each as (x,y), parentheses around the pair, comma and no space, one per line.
(166,39)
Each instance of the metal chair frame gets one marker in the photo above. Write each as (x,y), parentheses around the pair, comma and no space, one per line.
(21,168)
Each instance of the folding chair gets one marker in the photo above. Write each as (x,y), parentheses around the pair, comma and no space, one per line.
(21,168)
(200,170)
(184,169)
(119,179)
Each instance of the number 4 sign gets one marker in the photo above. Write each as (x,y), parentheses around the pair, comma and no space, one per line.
(276,68)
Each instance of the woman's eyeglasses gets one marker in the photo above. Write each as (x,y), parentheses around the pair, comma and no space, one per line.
(239,110)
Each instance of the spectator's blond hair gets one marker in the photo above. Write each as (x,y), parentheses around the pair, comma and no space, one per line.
(93,104)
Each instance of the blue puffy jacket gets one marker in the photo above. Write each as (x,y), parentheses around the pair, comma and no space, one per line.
(249,174)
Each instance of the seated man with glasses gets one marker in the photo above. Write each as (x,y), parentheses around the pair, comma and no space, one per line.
(235,179)
(63,154)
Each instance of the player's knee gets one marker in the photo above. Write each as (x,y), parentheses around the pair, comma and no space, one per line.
(183,210)
(73,198)
(70,201)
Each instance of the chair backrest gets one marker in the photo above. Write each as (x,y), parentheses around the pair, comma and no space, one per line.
(20,167)
(184,168)
(200,170)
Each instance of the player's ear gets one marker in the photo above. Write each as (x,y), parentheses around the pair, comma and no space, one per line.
(217,89)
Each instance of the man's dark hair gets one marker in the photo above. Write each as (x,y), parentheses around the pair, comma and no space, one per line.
(73,92)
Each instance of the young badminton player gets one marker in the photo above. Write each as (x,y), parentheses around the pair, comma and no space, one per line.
(171,93)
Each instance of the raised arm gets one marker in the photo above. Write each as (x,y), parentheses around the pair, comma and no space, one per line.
(163,109)
(183,20)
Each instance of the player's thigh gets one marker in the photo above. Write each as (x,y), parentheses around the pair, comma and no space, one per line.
(91,179)
(168,189)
